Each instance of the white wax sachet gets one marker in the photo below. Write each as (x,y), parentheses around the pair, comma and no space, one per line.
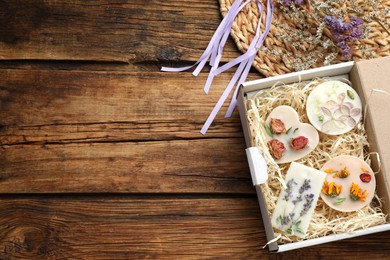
(333,107)
(296,204)
(287,138)
(349,185)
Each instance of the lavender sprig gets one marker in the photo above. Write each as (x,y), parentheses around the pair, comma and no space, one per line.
(344,32)
(289,2)
(287,219)
(289,185)
(305,186)
(297,199)
(309,200)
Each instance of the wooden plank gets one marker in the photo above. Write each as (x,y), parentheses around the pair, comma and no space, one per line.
(163,228)
(126,31)
(181,166)
(83,131)
(165,104)
(129,228)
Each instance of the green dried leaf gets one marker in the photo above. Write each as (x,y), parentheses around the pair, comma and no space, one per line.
(339,201)
(350,94)
(288,130)
(268,130)
(296,129)
(299,230)
(353,197)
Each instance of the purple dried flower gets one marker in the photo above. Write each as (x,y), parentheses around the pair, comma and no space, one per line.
(289,2)
(336,25)
(344,33)
(285,220)
(356,21)
(289,185)
(305,186)
(298,199)
(356,35)
(309,200)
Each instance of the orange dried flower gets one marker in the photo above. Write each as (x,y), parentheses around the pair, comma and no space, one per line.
(330,170)
(356,193)
(331,189)
(344,173)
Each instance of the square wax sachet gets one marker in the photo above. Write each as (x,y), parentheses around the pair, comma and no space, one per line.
(296,203)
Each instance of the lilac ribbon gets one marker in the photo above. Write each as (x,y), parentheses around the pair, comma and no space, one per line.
(270,8)
(223,26)
(214,53)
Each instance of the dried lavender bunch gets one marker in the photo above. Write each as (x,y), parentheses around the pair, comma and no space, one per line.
(289,2)
(345,32)
(334,26)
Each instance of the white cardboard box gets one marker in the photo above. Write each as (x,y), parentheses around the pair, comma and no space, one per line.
(371,79)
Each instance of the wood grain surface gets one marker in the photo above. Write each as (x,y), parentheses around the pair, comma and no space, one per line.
(100,152)
(122,31)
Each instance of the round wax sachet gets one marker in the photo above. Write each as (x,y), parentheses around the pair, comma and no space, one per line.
(334,107)
(349,184)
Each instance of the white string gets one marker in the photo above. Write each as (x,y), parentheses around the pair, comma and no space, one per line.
(272,240)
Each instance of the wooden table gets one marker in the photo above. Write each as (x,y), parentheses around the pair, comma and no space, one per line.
(100,152)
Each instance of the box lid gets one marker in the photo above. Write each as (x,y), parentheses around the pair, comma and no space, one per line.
(374,82)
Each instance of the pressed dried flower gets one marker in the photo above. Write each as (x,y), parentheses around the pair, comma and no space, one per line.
(365,177)
(330,170)
(299,143)
(289,189)
(305,186)
(344,173)
(341,113)
(277,126)
(309,201)
(276,148)
(297,200)
(356,193)
(331,189)
(286,220)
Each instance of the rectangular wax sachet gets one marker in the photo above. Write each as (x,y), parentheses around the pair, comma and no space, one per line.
(296,204)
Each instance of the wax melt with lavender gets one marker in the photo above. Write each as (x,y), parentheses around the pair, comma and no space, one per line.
(296,203)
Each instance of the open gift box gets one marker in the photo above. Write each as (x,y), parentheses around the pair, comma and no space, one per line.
(371,80)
